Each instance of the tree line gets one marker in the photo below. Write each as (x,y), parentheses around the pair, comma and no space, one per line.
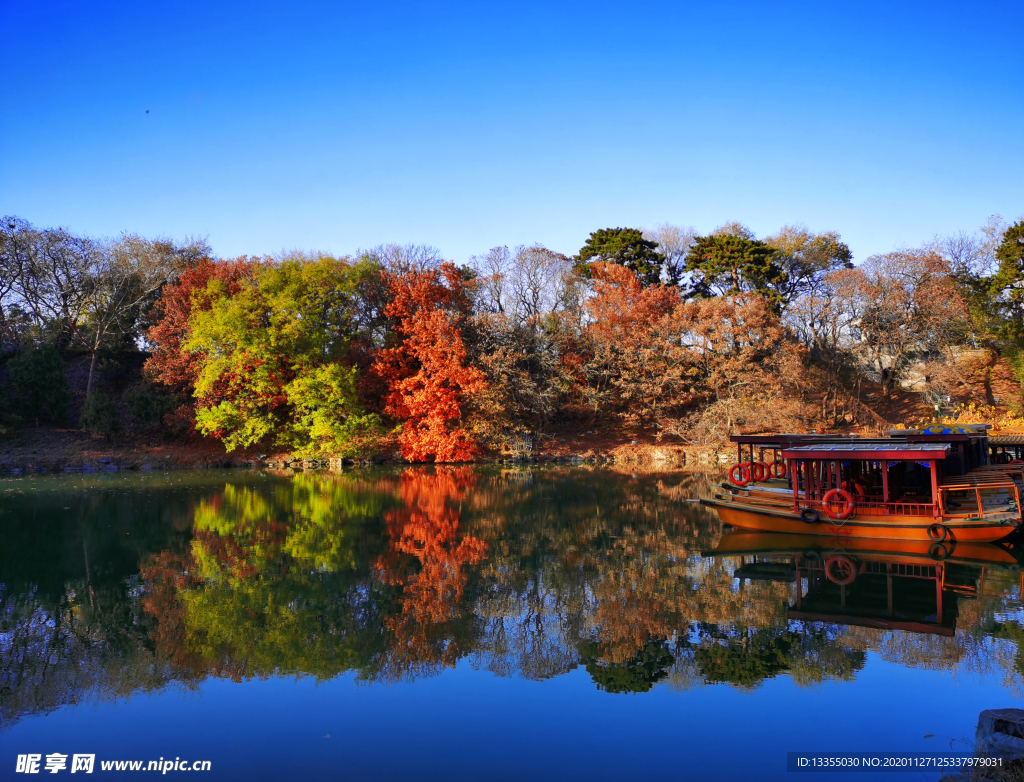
(689,335)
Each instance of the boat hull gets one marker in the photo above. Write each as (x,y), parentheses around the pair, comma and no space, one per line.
(913,528)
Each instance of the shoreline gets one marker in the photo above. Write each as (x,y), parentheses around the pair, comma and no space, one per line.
(73,451)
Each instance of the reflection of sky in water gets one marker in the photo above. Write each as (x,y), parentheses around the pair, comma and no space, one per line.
(450,625)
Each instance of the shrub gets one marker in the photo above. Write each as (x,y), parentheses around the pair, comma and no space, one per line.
(38,386)
(147,404)
(100,416)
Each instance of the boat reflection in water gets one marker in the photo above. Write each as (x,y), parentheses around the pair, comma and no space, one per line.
(881,584)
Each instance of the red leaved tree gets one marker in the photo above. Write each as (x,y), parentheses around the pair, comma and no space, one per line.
(169,365)
(427,374)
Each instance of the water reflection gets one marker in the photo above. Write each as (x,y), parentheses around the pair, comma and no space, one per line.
(126,583)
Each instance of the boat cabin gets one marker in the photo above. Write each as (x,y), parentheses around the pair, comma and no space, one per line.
(889,478)
(894,479)
(968,444)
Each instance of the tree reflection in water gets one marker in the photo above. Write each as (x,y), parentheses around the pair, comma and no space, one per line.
(434,626)
(395,574)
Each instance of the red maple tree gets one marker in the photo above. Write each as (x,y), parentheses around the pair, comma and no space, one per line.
(427,374)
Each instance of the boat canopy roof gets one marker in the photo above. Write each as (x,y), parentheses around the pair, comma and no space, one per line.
(895,451)
(783,440)
(1010,438)
(976,430)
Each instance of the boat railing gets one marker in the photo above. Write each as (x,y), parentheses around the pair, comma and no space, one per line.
(876,507)
(897,508)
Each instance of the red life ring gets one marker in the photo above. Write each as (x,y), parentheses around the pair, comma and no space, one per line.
(840,569)
(779,469)
(739,475)
(845,506)
(759,471)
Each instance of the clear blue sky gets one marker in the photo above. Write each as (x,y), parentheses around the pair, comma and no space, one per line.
(337,126)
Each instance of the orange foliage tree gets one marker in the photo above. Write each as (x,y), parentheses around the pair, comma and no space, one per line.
(693,367)
(428,377)
(627,365)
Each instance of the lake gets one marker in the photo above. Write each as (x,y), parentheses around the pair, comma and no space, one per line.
(475,623)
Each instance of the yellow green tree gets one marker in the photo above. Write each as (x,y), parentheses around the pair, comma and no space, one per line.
(275,358)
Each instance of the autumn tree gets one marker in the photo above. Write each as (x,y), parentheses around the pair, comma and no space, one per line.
(735,229)
(428,376)
(170,364)
(824,318)
(124,280)
(81,293)
(46,281)
(15,237)
(626,247)
(745,367)
(274,358)
(628,367)
(805,258)
(910,308)
(528,312)
(403,258)
(529,286)
(692,367)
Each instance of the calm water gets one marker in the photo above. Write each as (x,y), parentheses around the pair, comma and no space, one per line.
(474,624)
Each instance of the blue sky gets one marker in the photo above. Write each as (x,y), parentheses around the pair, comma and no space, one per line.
(337,126)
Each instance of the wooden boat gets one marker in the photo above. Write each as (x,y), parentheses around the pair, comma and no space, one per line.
(871,489)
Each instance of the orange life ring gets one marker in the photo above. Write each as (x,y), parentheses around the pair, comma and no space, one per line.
(759,471)
(739,475)
(845,506)
(779,469)
(847,570)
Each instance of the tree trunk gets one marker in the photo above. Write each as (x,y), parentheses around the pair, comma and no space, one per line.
(92,372)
